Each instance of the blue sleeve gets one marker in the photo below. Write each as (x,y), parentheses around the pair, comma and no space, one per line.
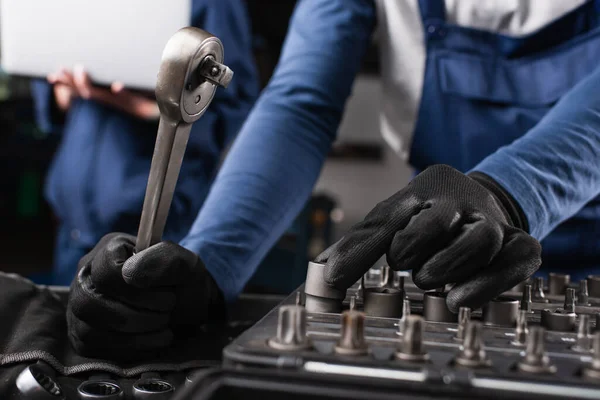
(211,134)
(554,170)
(272,166)
(47,115)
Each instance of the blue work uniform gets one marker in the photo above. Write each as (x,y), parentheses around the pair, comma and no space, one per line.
(97,181)
(535,130)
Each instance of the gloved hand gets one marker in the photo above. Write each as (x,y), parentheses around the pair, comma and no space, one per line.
(125,306)
(449,228)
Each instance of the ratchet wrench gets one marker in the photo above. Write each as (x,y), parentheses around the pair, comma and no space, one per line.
(191,70)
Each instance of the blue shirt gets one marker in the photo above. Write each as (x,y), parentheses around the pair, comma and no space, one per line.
(276,159)
(97,181)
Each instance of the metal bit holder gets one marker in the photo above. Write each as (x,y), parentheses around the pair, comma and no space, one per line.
(352,336)
(405,314)
(189,74)
(538,294)
(583,295)
(472,353)
(464,317)
(536,361)
(291,328)
(411,345)
(521,329)
(592,370)
(526,300)
(584,339)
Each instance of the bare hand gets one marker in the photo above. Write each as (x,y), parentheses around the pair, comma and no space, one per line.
(69,85)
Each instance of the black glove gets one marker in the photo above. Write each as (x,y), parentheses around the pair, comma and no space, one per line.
(449,228)
(126,306)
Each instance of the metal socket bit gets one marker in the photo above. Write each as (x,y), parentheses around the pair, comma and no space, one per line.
(383,302)
(472,352)
(386,279)
(360,291)
(291,330)
(352,305)
(501,311)
(405,314)
(584,338)
(592,370)
(435,308)
(569,305)
(536,360)
(411,344)
(526,300)
(400,280)
(583,295)
(352,336)
(594,285)
(559,320)
(319,296)
(521,329)
(35,383)
(538,295)
(464,316)
(558,283)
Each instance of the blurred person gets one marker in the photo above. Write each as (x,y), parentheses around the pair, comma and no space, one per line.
(97,181)
(495,103)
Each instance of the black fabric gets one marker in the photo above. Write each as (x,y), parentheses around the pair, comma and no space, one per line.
(448,229)
(130,306)
(34,328)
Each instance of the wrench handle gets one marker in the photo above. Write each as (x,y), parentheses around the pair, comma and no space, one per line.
(171,142)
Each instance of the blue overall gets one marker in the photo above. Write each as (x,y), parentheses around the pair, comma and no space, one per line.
(484,90)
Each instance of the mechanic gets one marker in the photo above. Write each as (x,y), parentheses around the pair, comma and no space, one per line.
(97,181)
(502,99)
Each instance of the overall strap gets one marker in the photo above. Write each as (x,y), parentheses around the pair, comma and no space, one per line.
(432,10)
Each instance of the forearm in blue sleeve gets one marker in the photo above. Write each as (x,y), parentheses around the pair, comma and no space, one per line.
(554,170)
(276,159)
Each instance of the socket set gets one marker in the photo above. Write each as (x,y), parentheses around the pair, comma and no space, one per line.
(538,340)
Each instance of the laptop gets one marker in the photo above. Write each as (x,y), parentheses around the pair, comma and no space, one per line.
(115,40)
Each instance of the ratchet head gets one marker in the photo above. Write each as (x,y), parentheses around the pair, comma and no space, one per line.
(190,71)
